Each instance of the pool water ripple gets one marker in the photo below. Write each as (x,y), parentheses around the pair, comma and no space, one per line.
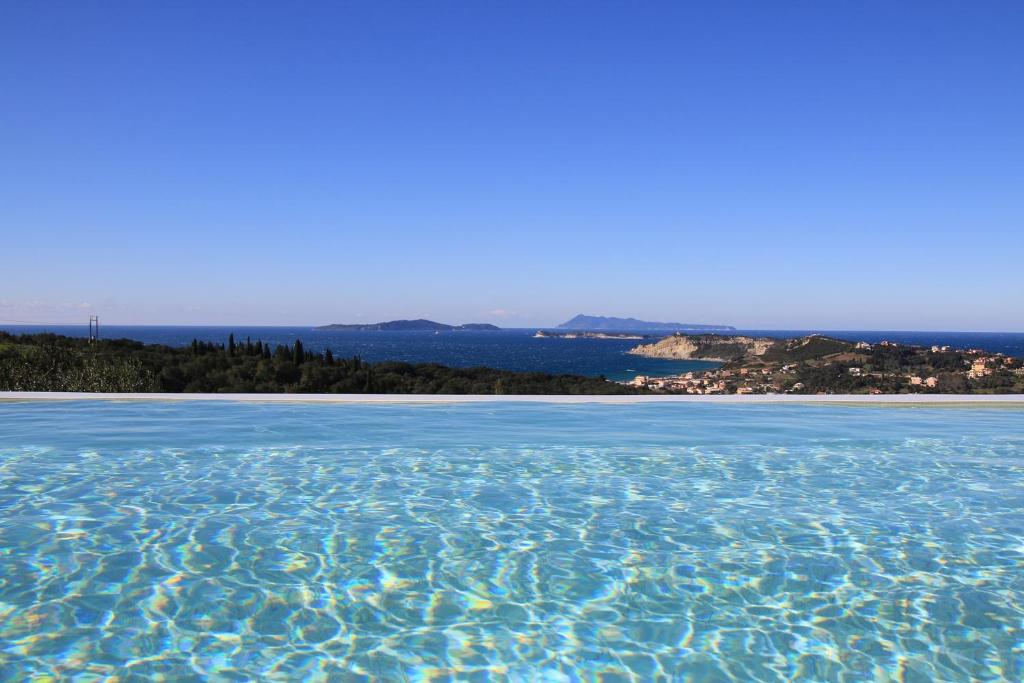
(514,542)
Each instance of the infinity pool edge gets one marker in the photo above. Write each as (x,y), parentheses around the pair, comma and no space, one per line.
(899,399)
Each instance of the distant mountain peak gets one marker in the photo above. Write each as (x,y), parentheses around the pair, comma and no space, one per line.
(598,322)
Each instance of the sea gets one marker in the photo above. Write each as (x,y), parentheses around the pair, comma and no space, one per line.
(507,349)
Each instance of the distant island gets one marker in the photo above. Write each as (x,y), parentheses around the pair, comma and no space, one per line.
(602,323)
(421,324)
(544,334)
(819,364)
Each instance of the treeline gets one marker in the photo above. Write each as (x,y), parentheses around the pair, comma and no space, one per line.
(48,362)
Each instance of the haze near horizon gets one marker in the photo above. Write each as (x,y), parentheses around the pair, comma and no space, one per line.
(776,166)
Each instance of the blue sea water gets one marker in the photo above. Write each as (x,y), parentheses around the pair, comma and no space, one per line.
(506,349)
(513,349)
(524,541)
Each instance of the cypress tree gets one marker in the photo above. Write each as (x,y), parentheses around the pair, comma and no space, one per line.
(231,344)
(328,357)
(299,356)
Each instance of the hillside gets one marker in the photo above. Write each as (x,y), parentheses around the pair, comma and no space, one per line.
(602,323)
(49,362)
(820,364)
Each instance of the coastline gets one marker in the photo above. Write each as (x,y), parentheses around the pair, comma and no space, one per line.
(1008,400)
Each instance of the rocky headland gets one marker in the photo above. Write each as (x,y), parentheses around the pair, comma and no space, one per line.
(711,347)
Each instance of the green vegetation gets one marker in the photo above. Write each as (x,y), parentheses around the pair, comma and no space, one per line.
(816,364)
(48,362)
(887,369)
(722,348)
(805,348)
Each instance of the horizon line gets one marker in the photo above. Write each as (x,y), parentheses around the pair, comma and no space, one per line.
(312,327)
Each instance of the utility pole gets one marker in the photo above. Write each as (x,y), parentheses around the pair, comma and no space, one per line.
(94,328)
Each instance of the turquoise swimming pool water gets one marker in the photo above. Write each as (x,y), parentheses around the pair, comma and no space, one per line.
(198,541)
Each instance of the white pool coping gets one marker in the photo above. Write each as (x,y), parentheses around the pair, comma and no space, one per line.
(904,399)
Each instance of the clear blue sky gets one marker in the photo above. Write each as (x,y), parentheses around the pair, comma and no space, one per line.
(765,164)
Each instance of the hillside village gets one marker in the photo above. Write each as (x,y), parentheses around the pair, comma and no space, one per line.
(818,364)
